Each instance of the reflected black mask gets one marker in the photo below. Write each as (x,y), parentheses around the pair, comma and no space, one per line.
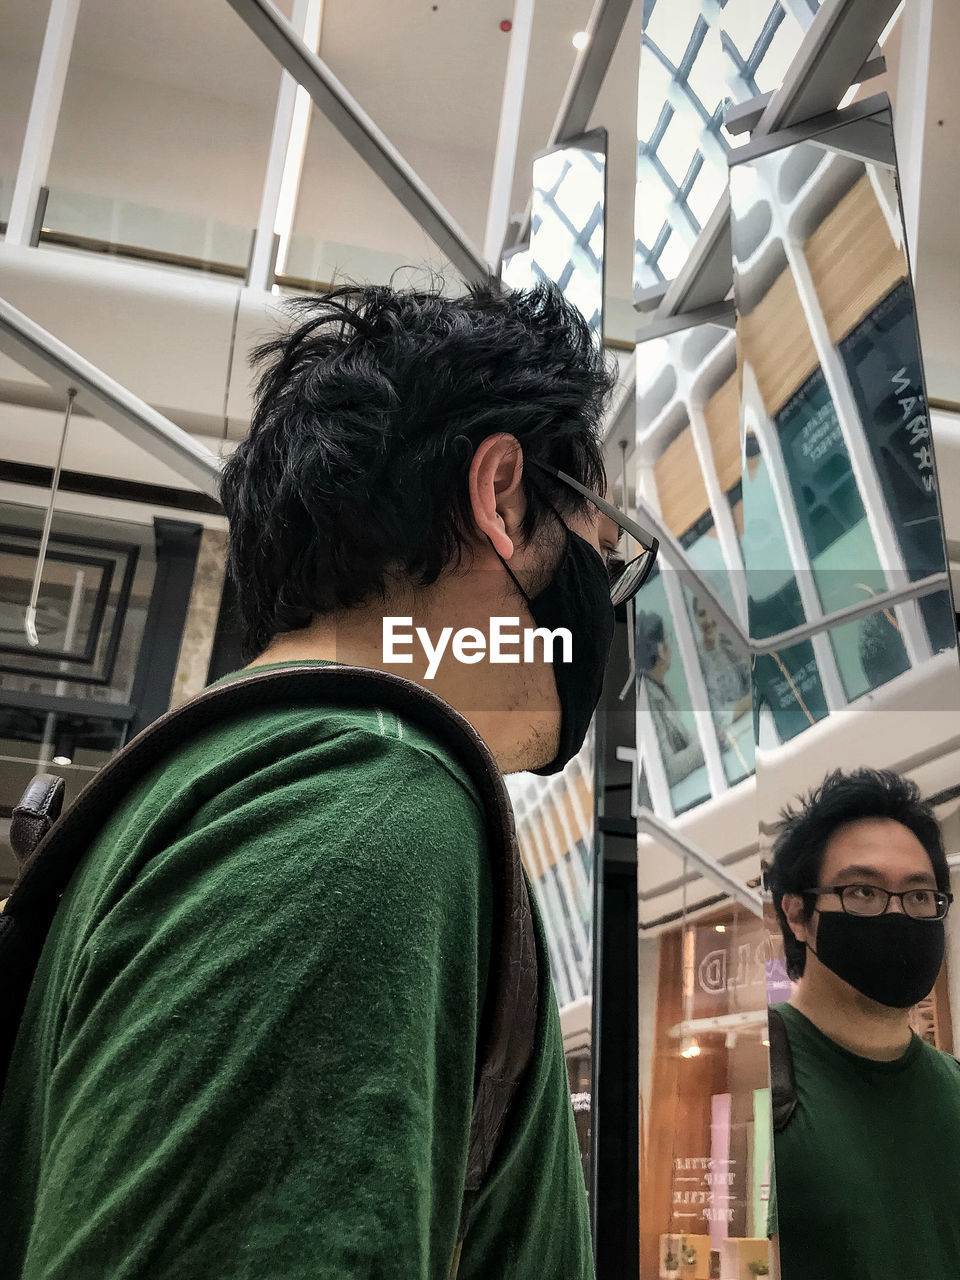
(892,958)
(576,597)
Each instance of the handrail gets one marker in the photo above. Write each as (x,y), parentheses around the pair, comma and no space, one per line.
(851,612)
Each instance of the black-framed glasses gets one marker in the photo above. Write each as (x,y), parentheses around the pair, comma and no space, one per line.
(626,577)
(870,900)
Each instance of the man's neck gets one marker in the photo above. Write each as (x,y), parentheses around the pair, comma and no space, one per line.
(851,1020)
(517,723)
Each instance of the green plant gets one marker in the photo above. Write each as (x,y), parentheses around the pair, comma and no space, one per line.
(688,1256)
(671,1262)
(758,1268)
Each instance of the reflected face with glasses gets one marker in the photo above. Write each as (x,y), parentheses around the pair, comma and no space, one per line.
(872,925)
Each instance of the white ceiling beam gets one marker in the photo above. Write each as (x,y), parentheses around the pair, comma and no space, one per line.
(508,134)
(42,121)
(284,159)
(363,135)
(61,368)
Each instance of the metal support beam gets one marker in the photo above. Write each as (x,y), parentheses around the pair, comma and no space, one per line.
(650,825)
(508,134)
(61,367)
(356,127)
(280,162)
(833,51)
(854,131)
(604,28)
(742,117)
(723,314)
(42,121)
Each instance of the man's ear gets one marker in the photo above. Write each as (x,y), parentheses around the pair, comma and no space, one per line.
(793,909)
(497,499)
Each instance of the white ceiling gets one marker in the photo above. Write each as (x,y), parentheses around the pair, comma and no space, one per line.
(429,72)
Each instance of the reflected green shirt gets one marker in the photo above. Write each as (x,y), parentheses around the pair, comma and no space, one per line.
(250,1049)
(868,1168)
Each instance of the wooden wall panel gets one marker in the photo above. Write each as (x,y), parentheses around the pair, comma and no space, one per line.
(722,416)
(680,487)
(853,259)
(776,341)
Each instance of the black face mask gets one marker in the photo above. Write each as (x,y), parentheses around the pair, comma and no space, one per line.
(576,597)
(892,958)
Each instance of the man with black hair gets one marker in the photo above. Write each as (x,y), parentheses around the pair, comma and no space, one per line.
(252,1044)
(868,1164)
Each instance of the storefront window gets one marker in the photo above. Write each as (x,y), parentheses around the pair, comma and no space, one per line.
(706,1137)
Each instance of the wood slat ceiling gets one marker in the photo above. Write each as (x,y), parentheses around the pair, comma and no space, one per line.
(853,259)
(722,416)
(680,487)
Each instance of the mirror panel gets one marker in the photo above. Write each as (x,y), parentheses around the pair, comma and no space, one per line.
(840,509)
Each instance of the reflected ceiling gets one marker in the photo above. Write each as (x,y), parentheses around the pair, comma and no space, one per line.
(698,56)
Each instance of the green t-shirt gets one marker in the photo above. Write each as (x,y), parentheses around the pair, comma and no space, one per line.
(250,1048)
(868,1167)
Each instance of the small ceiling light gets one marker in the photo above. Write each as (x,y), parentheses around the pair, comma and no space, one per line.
(62,760)
(691,1049)
(63,749)
(720,928)
(581,40)
(765,1043)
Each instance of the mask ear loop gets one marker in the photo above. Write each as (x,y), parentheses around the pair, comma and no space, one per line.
(563,525)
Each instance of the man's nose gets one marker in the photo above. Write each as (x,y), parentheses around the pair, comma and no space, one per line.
(895,904)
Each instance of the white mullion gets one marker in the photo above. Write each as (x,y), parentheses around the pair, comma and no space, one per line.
(763,428)
(42,121)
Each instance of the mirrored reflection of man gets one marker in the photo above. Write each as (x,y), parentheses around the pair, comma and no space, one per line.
(726,674)
(681,751)
(868,1164)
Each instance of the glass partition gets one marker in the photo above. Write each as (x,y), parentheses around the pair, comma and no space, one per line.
(121,179)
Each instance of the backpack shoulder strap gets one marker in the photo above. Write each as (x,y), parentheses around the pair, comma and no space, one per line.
(783,1080)
(53,852)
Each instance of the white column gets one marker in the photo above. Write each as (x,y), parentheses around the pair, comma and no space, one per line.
(42,120)
(285,158)
(505,158)
(916,27)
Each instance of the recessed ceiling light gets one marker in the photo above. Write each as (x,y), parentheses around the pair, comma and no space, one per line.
(63,761)
(581,40)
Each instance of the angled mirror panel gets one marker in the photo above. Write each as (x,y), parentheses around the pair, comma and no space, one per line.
(702,958)
(567,225)
(840,509)
(695,726)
